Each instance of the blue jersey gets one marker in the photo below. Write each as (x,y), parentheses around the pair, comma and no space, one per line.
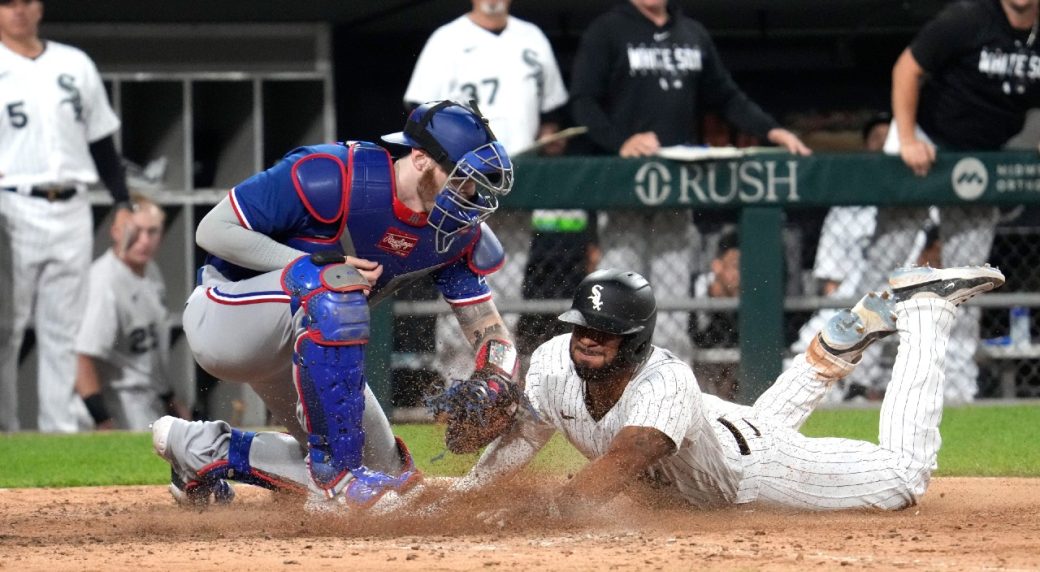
(316,193)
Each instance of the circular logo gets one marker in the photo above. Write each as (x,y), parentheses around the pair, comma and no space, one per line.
(969,178)
(653,183)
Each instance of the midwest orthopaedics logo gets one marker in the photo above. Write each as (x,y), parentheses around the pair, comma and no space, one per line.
(1017,177)
(969,178)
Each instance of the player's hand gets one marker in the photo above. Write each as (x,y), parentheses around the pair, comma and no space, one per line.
(369,269)
(918,155)
(127,237)
(106,425)
(122,219)
(789,141)
(640,145)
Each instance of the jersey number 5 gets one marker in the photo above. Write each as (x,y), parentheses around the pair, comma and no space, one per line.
(18,117)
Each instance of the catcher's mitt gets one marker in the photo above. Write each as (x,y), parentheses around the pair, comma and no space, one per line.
(481,408)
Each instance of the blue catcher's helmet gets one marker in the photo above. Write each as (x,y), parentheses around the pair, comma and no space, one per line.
(459,139)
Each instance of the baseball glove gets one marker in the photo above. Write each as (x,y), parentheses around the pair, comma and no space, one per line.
(481,408)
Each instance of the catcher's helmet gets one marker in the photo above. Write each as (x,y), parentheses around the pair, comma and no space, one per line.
(460,140)
(617,302)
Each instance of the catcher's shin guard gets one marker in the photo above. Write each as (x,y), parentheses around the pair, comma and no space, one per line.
(332,328)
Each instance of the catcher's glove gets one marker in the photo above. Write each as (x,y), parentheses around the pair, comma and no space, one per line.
(481,408)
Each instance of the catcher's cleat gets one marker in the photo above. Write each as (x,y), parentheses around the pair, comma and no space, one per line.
(850,332)
(198,494)
(363,488)
(955,285)
(187,491)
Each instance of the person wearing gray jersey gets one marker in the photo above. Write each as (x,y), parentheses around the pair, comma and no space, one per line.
(122,348)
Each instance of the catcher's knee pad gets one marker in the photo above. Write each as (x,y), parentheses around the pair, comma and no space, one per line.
(331,313)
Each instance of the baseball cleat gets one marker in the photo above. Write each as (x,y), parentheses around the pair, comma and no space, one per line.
(188,492)
(955,285)
(850,332)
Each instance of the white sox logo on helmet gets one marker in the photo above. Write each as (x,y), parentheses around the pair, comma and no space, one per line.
(597,297)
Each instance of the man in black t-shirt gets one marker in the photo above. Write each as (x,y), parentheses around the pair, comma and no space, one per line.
(643,76)
(965,83)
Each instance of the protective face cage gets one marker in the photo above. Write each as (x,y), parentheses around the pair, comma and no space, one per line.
(471,193)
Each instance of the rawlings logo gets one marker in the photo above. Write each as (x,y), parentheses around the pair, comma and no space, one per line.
(597,297)
(398,242)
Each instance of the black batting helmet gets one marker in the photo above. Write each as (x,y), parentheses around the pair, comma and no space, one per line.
(617,302)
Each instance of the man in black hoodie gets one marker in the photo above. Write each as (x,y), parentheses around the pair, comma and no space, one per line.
(642,76)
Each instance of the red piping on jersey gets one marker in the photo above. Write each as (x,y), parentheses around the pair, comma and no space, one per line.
(259,300)
(303,197)
(477,300)
(238,212)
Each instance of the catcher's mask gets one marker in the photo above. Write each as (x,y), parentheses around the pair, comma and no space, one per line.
(460,140)
(620,303)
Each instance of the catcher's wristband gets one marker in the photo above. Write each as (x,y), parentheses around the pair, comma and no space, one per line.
(97,409)
(498,356)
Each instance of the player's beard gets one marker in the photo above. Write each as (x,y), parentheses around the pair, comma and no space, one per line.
(598,374)
(427,189)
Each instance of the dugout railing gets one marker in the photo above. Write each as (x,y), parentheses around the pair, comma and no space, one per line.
(759,191)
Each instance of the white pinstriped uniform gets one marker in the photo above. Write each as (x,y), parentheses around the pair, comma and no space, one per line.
(51,108)
(774,464)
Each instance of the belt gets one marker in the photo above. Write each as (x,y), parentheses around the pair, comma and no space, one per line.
(52,194)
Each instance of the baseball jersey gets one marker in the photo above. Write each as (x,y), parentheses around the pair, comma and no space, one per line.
(632,76)
(53,107)
(512,75)
(124,325)
(311,217)
(663,394)
(982,76)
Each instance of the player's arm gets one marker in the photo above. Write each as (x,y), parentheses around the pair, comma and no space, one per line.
(632,452)
(507,455)
(222,233)
(481,322)
(88,387)
(907,75)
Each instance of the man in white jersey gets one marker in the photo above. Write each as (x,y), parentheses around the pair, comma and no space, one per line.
(506,65)
(122,349)
(56,129)
(636,412)
(503,63)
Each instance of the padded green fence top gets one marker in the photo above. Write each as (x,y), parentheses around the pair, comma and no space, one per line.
(771,178)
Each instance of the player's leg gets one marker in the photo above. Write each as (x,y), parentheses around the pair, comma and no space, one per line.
(912,408)
(840,473)
(60,300)
(205,455)
(331,319)
(20,259)
(831,356)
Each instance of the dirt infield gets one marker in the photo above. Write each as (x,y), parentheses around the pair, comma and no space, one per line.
(961,524)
